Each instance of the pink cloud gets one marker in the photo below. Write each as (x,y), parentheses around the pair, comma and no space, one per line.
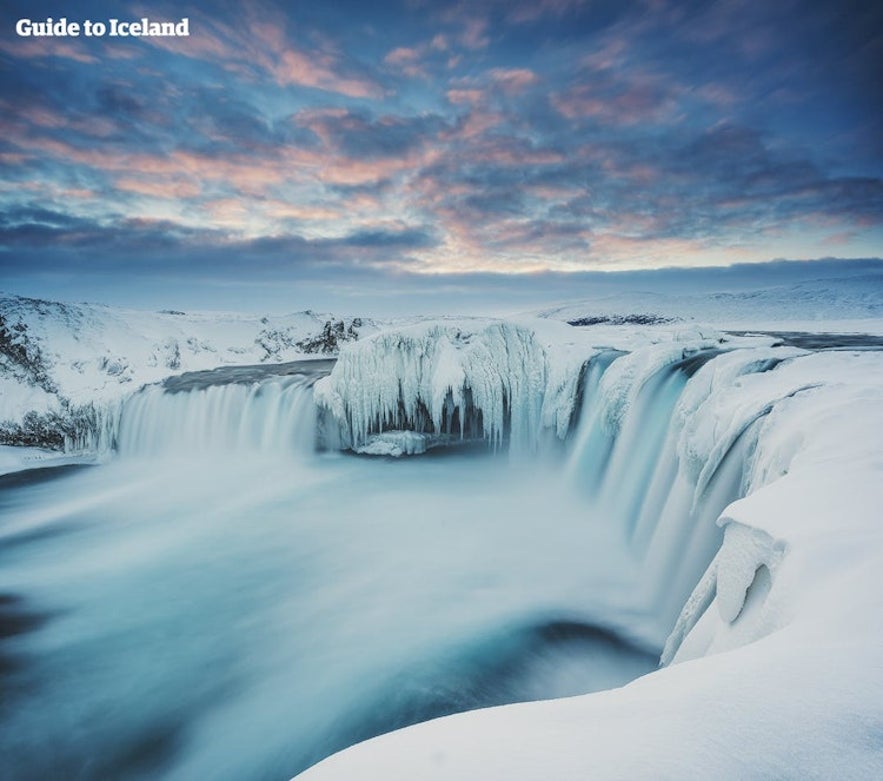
(513,80)
(517,154)
(474,34)
(262,43)
(475,124)
(312,70)
(43,117)
(402,55)
(285,210)
(29,48)
(407,60)
(637,98)
(170,187)
(524,12)
(465,96)
(839,239)
(612,53)
(636,252)
(554,193)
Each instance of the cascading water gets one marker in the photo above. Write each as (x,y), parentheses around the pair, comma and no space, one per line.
(630,465)
(275,416)
(241,614)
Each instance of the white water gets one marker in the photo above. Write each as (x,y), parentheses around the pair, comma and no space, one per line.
(223,602)
(635,481)
(274,416)
(235,619)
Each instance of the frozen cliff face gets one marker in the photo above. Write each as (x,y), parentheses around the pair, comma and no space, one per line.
(494,380)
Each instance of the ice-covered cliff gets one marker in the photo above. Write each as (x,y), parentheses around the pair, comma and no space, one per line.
(498,381)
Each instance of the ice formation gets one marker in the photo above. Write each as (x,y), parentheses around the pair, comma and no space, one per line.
(495,381)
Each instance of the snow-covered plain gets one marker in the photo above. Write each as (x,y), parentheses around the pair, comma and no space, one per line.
(703,489)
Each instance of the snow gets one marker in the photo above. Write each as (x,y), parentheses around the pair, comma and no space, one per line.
(19,398)
(395,444)
(96,355)
(18,459)
(418,378)
(773,666)
(846,304)
(740,499)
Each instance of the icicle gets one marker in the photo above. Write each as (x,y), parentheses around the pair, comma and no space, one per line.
(499,375)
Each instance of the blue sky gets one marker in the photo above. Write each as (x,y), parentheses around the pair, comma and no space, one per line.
(308,154)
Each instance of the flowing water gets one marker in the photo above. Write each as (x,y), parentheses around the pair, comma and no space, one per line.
(222,601)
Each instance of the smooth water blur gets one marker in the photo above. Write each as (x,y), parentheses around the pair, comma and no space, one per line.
(241,617)
(274,416)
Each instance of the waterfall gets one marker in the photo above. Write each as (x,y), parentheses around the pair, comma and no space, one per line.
(633,451)
(631,458)
(274,416)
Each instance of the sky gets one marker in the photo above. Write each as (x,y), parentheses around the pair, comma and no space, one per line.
(345,154)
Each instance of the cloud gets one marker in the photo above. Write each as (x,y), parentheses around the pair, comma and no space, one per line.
(34,240)
(407,59)
(513,80)
(39,48)
(516,136)
(527,12)
(258,41)
(359,136)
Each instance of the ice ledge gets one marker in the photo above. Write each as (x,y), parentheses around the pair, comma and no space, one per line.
(737,582)
(403,443)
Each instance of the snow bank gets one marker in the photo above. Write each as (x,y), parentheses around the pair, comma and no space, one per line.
(18,459)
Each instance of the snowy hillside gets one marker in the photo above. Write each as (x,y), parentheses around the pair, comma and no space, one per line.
(847,303)
(60,362)
(57,360)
